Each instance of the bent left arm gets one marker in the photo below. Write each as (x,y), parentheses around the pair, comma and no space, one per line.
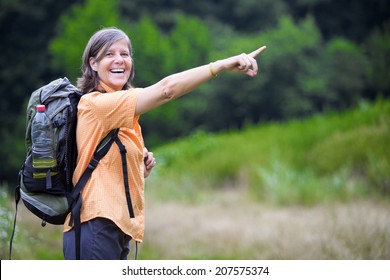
(149,162)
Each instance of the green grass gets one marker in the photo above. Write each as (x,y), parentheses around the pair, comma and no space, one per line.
(327,157)
(6,222)
(31,241)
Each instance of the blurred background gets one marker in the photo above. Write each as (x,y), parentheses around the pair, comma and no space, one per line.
(293,164)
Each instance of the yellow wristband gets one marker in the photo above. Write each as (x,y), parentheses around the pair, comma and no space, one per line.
(211,70)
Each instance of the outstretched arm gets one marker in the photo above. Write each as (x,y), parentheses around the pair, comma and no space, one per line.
(179,84)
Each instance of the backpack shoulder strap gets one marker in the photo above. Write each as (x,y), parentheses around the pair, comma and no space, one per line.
(75,197)
(17,199)
(100,152)
(123,151)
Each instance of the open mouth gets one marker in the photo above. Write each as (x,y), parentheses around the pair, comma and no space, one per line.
(117,71)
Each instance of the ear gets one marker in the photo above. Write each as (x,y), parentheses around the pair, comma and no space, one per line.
(93,63)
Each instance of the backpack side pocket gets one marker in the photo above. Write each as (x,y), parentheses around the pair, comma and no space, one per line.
(50,184)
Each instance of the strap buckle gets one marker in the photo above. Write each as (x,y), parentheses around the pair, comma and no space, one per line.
(93,163)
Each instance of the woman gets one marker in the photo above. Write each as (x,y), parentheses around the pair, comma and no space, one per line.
(111,103)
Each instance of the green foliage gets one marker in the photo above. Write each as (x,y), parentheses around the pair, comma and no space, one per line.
(76,28)
(290,82)
(6,223)
(300,86)
(150,48)
(346,71)
(158,55)
(354,18)
(26,28)
(31,240)
(325,158)
(378,49)
(284,185)
(363,149)
(186,45)
(13,155)
(190,42)
(243,16)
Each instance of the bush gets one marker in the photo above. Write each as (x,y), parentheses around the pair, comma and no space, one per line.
(328,157)
(6,223)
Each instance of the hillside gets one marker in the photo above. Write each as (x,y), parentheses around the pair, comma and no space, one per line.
(335,156)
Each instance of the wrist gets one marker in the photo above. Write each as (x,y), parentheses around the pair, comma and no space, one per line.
(212,68)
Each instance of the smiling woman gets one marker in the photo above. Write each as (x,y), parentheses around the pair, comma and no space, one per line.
(112,215)
(99,47)
(115,66)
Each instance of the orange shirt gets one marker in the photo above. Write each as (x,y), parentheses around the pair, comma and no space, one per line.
(104,194)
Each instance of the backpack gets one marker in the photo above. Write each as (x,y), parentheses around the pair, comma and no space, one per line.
(54,197)
(49,199)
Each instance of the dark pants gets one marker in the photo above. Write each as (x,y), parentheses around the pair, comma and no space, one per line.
(101,239)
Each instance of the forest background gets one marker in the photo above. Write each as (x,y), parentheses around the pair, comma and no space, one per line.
(323,55)
(300,153)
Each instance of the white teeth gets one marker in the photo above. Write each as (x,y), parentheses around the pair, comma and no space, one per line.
(117,70)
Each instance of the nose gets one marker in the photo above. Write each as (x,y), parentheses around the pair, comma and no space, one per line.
(118,58)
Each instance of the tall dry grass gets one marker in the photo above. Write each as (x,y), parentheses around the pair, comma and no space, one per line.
(231,227)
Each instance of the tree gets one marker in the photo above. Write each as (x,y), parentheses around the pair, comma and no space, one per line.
(353,20)
(75,29)
(243,16)
(26,27)
(377,48)
(346,71)
(159,54)
(153,54)
(289,82)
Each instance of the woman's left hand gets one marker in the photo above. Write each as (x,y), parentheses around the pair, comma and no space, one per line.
(149,162)
(242,63)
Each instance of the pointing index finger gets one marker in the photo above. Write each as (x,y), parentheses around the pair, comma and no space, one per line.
(257,52)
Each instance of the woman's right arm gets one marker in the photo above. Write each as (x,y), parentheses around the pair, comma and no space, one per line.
(179,84)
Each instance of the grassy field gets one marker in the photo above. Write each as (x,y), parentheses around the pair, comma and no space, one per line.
(218,230)
(357,229)
(307,189)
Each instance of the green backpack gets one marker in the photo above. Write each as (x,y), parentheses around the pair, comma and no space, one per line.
(54,197)
(48,198)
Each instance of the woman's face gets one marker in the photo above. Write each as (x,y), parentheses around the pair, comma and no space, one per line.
(115,67)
